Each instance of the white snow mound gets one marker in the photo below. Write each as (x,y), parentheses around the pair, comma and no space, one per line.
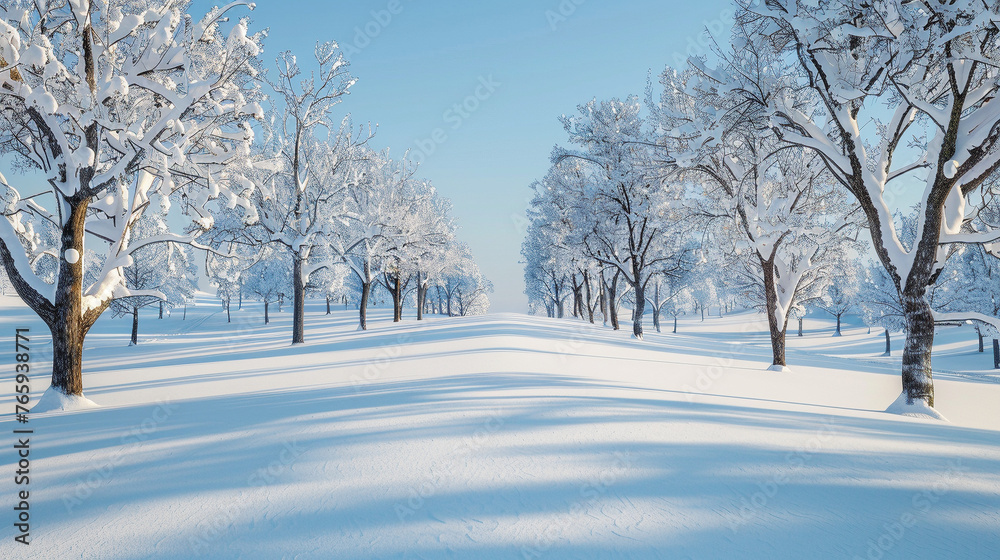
(918,409)
(54,400)
(779,368)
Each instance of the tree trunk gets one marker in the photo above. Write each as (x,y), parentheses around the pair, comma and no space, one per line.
(800,326)
(68,323)
(161,311)
(918,382)
(777,331)
(328,311)
(590,307)
(298,301)
(656,305)
(421,297)
(838,325)
(675,324)
(267,318)
(613,303)
(996,354)
(604,302)
(366,290)
(135,327)
(639,311)
(397,300)
(241,299)
(229,317)
(888,345)
(979,333)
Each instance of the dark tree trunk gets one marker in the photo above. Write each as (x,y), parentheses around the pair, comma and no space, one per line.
(229,317)
(918,382)
(135,327)
(888,344)
(397,299)
(656,306)
(590,307)
(366,290)
(69,324)
(267,317)
(800,326)
(639,311)
(777,331)
(421,297)
(241,298)
(161,311)
(838,325)
(675,324)
(185,315)
(613,303)
(298,301)
(979,333)
(328,310)
(996,354)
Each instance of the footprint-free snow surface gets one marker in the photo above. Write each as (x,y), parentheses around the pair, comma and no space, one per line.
(503,436)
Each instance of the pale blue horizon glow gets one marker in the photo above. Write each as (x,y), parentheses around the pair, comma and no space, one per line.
(528,61)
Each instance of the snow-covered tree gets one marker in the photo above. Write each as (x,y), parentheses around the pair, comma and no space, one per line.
(165,272)
(118,106)
(879,302)
(840,295)
(310,175)
(364,232)
(934,66)
(671,291)
(466,289)
(270,278)
(628,215)
(228,272)
(782,202)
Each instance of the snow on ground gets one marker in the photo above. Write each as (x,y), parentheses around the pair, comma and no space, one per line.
(503,436)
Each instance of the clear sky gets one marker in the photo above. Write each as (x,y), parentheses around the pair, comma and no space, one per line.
(529,61)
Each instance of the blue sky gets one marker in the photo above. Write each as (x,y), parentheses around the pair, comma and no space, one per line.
(541,58)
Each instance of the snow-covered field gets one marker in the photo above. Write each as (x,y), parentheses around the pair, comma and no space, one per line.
(503,436)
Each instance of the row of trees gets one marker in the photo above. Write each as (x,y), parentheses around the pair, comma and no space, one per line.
(140,134)
(815,121)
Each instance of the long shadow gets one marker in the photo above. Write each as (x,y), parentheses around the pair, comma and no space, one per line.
(214,446)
